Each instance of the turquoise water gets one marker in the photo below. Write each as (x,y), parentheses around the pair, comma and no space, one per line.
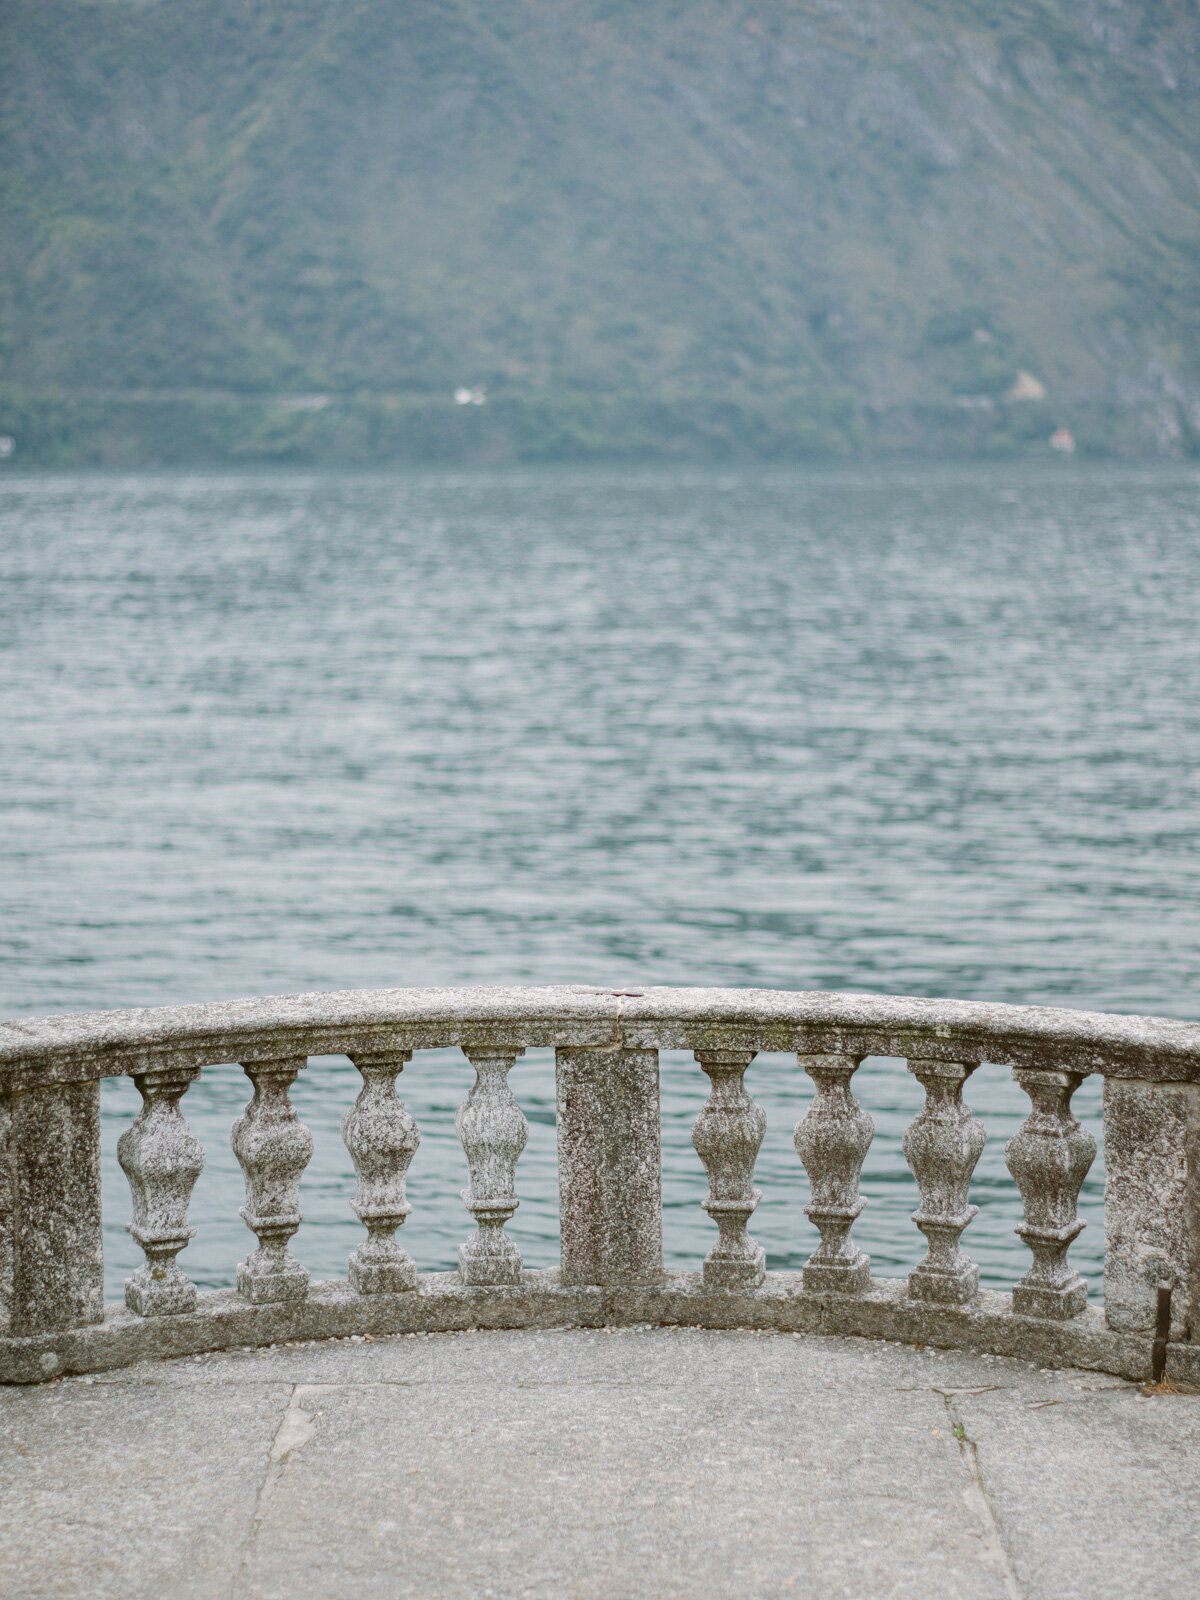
(907,729)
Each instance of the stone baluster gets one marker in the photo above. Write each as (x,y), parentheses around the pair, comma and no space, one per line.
(162,1159)
(942,1147)
(493,1133)
(1049,1157)
(727,1135)
(832,1141)
(273,1148)
(382,1139)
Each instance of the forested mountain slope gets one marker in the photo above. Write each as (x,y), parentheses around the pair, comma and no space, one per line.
(295,227)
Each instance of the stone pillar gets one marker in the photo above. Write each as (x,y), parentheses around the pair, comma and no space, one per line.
(609,1166)
(50,1185)
(1152,1203)
(6,1212)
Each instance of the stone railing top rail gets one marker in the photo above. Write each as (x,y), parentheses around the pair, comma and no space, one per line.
(607,1086)
(44,1050)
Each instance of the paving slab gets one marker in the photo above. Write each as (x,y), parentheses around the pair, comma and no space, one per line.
(151,1490)
(628,1464)
(1095,1487)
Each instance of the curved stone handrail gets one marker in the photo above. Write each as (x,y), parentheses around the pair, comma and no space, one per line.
(607,1044)
(45,1050)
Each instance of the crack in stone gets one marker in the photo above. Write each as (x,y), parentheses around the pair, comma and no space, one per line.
(976,1501)
(949,1393)
(295,1429)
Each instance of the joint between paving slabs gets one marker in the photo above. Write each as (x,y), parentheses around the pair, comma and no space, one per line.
(977,1503)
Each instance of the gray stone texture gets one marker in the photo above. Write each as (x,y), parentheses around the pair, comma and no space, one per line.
(1095,1490)
(62,1049)
(162,1159)
(223,1320)
(51,1157)
(6,1211)
(382,1138)
(609,1166)
(832,1141)
(273,1148)
(147,1489)
(492,1130)
(727,1137)
(1152,1203)
(1049,1157)
(628,1464)
(942,1147)
(610,1183)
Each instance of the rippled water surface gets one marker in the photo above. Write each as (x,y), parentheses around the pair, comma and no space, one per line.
(909,729)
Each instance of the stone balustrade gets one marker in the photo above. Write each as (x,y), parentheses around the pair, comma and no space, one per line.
(52,1317)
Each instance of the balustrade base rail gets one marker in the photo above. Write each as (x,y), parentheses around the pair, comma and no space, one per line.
(607,1045)
(442,1303)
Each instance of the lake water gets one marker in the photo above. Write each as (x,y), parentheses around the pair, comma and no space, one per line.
(908,729)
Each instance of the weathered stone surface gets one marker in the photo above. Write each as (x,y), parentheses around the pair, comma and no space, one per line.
(942,1147)
(885,1311)
(70,1048)
(442,1302)
(609,1166)
(632,1463)
(832,1141)
(611,1216)
(149,1490)
(162,1160)
(1049,1157)
(570,1476)
(102,1043)
(1152,1203)
(7,1179)
(52,1178)
(728,1135)
(224,1320)
(1095,1488)
(382,1139)
(273,1148)
(493,1131)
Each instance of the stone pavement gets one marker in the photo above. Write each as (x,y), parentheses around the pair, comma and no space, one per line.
(631,1464)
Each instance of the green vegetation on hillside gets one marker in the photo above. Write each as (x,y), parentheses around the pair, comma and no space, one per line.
(292,229)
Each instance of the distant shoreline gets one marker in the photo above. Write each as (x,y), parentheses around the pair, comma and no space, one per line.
(182,428)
